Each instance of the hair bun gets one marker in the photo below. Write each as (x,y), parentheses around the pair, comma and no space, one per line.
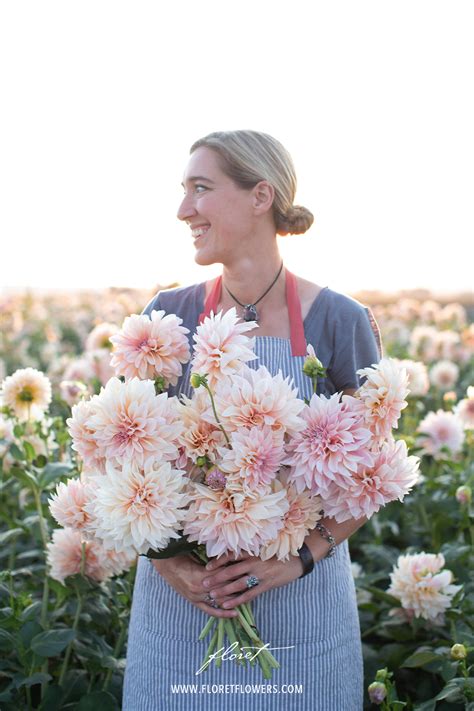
(296,221)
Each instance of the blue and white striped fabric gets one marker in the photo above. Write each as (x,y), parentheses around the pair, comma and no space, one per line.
(315,616)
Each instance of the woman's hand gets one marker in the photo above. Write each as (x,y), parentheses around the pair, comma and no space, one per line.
(186,577)
(226,578)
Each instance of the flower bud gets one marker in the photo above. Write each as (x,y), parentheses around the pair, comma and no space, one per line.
(312,366)
(160,384)
(377,692)
(381,675)
(464,495)
(201,461)
(215,479)
(450,397)
(458,652)
(195,380)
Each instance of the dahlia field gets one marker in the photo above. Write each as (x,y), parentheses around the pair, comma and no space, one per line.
(65,598)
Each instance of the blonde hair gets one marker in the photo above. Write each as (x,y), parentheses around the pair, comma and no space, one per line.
(248,157)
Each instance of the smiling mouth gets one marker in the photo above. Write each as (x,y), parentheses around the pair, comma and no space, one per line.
(199,231)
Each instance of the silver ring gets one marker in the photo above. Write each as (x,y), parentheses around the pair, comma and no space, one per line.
(252,581)
(211,601)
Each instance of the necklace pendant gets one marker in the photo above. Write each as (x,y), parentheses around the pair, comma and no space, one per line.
(250,313)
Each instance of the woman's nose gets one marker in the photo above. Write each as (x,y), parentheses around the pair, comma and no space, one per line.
(186,209)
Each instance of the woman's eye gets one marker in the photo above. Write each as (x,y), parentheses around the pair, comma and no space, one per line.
(199,188)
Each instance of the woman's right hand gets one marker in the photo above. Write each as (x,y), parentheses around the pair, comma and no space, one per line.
(186,576)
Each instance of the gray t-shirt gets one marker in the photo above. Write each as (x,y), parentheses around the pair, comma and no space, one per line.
(343,332)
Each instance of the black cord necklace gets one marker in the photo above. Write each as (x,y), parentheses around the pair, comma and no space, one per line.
(250,312)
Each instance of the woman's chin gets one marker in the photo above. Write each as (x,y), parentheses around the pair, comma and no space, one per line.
(203,260)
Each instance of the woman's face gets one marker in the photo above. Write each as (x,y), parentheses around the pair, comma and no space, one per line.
(218,212)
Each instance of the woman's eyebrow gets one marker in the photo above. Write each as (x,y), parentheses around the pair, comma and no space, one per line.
(194,178)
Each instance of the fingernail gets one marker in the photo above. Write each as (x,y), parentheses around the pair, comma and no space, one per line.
(206,583)
(226,605)
(209,566)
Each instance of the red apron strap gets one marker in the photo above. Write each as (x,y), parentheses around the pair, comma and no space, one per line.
(298,340)
(212,300)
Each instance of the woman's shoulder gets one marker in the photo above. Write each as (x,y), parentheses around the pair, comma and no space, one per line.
(343,304)
(323,302)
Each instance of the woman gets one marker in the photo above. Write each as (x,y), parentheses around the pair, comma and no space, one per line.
(239,188)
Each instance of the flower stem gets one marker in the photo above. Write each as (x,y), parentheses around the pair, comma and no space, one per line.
(205,385)
(69,647)
(117,650)
(44,538)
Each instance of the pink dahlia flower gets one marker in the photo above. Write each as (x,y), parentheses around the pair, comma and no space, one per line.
(418,380)
(132,423)
(391,476)
(464,410)
(444,375)
(232,522)
(151,347)
(64,556)
(383,394)
(83,434)
(67,504)
(333,444)
(100,335)
(199,437)
(255,398)
(422,586)
(441,434)
(254,459)
(137,509)
(304,510)
(221,346)
(27,393)
(72,391)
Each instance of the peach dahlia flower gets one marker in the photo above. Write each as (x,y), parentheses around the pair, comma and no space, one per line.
(422,586)
(441,434)
(304,510)
(151,347)
(28,393)
(221,347)
(229,521)
(139,508)
(64,556)
(131,423)
(391,476)
(256,398)
(383,394)
(334,442)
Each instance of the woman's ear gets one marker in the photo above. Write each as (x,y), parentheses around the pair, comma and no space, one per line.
(263,196)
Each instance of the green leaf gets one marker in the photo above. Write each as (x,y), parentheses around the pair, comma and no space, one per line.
(19,431)
(419,659)
(24,476)
(31,612)
(37,678)
(7,641)
(98,699)
(52,643)
(452,690)
(174,547)
(16,452)
(52,700)
(10,535)
(53,471)
(30,452)
(429,705)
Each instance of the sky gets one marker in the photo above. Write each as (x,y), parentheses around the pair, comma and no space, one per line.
(101,101)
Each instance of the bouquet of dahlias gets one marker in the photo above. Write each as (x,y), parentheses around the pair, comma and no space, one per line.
(240,465)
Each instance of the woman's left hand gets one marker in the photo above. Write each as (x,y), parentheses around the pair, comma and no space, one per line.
(227,579)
